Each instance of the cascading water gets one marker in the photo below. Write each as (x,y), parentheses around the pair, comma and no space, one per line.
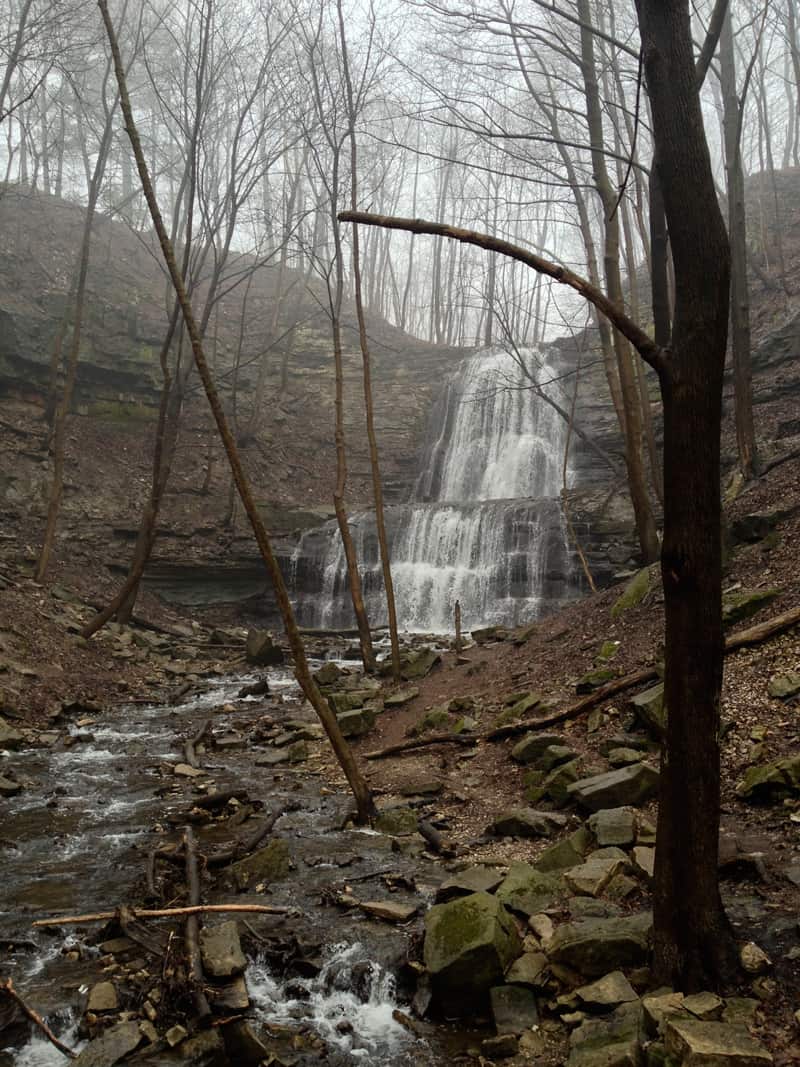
(486,527)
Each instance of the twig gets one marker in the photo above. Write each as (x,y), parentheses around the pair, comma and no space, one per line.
(160,913)
(7,987)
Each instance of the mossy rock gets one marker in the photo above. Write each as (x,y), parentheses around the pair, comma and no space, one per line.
(435,719)
(528,890)
(595,679)
(633,593)
(554,785)
(607,651)
(651,711)
(771,782)
(269,864)
(397,822)
(745,603)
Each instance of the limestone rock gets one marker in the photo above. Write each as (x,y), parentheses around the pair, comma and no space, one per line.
(418,664)
(102,997)
(554,785)
(621,757)
(111,1047)
(532,745)
(524,703)
(268,864)
(704,1044)
(644,860)
(650,710)
(527,822)
(754,959)
(472,880)
(221,951)
(356,722)
(398,822)
(261,650)
(771,782)
(595,679)
(513,1009)
(531,969)
(529,891)
(610,1041)
(705,1006)
(607,992)
(389,910)
(591,946)
(744,603)
(328,674)
(183,770)
(566,853)
(781,686)
(613,826)
(8,787)
(631,785)
(10,737)
(590,878)
(469,944)
(401,697)
(633,593)
(233,996)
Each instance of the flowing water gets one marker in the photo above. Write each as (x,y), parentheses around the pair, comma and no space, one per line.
(486,526)
(76,838)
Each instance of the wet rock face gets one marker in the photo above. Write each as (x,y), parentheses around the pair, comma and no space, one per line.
(469,944)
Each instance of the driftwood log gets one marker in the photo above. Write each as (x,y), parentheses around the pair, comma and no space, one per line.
(7,988)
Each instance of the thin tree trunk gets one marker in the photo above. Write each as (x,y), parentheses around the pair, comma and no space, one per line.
(361,792)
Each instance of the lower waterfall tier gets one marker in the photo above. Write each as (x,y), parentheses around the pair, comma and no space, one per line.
(490,556)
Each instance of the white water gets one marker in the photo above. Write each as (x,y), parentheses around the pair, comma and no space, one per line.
(491,533)
(350,989)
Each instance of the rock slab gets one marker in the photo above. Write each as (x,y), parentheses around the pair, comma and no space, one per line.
(221,951)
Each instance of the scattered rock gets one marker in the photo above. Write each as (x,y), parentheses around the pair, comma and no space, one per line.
(471,880)
(697,1043)
(397,822)
(531,747)
(102,997)
(771,782)
(631,785)
(610,1041)
(183,770)
(526,822)
(10,737)
(554,785)
(356,722)
(607,992)
(591,878)
(754,960)
(513,1009)
(111,1047)
(469,944)
(781,686)
(613,826)
(660,1006)
(502,1047)
(754,527)
(9,788)
(403,696)
(254,689)
(221,950)
(528,890)
(419,664)
(175,1035)
(233,996)
(633,593)
(523,703)
(745,603)
(435,719)
(705,1006)
(566,853)
(531,969)
(591,946)
(595,679)
(328,674)
(644,860)
(391,912)
(650,710)
(261,651)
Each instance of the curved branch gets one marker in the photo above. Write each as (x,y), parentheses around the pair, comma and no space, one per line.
(647,348)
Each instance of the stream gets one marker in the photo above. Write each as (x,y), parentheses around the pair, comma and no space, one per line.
(75,841)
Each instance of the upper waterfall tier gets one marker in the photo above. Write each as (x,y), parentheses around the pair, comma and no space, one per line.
(497,439)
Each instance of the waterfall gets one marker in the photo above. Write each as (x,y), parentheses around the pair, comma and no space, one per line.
(485,526)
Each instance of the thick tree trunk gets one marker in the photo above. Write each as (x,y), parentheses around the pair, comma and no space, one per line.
(694,947)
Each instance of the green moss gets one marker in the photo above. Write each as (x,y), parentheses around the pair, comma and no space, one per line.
(119,411)
(633,593)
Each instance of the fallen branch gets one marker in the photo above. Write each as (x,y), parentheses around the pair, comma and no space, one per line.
(755,635)
(161,913)
(190,746)
(7,987)
(192,926)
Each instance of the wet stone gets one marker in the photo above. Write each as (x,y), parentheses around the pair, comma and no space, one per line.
(398,822)
(102,997)
(261,650)
(111,1047)
(388,910)
(9,788)
(268,864)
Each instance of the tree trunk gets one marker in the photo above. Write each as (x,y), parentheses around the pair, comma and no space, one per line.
(737,232)
(363,797)
(694,948)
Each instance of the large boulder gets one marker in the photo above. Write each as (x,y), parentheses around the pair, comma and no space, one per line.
(261,651)
(592,947)
(634,784)
(469,944)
